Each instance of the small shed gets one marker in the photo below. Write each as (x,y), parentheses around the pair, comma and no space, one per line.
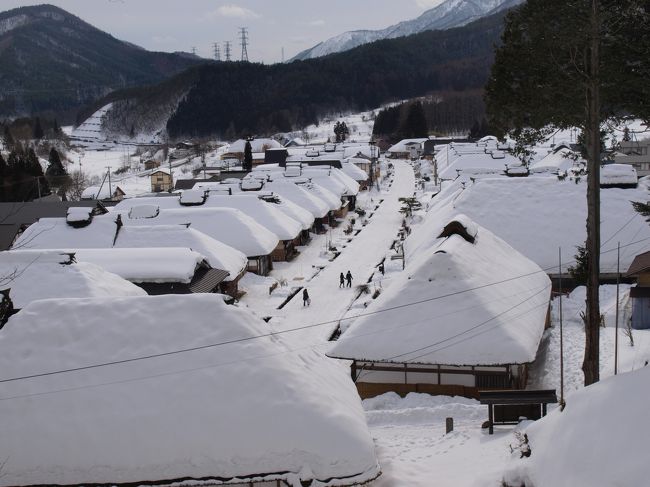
(640,294)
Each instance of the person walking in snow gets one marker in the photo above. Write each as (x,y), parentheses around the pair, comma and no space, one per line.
(305,298)
(341,280)
(348,277)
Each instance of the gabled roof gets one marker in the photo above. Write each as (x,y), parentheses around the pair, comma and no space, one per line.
(640,264)
(251,409)
(457,303)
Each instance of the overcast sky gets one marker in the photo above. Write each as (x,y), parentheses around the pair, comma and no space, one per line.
(174,25)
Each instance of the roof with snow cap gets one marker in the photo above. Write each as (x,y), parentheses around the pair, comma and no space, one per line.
(35,274)
(227,225)
(250,410)
(458,303)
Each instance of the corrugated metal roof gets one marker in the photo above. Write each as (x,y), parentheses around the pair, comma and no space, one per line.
(207,280)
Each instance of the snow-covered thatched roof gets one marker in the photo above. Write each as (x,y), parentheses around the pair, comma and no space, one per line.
(560,160)
(266,214)
(473,164)
(354,171)
(299,195)
(104,233)
(618,175)
(257,145)
(227,225)
(540,215)
(252,409)
(218,254)
(615,459)
(159,265)
(458,303)
(35,274)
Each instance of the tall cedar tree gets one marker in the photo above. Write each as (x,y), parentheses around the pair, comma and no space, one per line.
(415,124)
(248,157)
(573,63)
(38,129)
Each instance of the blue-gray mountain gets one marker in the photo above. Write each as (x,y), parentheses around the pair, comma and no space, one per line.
(451,13)
(53,62)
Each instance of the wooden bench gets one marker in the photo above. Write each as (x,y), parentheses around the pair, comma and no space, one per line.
(507,406)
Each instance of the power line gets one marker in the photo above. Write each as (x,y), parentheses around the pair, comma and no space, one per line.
(290,330)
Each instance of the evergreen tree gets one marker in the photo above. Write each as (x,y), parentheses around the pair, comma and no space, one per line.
(573,64)
(8,138)
(415,124)
(38,129)
(55,167)
(248,157)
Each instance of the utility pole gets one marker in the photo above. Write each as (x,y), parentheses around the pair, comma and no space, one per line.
(226,48)
(373,148)
(243,41)
(110,190)
(217,51)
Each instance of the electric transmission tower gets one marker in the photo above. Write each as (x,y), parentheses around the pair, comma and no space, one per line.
(193,50)
(217,52)
(226,48)
(243,41)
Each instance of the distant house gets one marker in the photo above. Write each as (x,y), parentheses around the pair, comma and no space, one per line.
(640,294)
(406,149)
(103,193)
(151,164)
(635,153)
(258,148)
(161,181)
(468,314)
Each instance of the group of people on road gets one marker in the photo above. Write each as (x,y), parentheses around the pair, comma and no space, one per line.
(345,278)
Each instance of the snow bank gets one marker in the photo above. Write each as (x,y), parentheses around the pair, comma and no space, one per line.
(458,303)
(34,274)
(599,439)
(250,408)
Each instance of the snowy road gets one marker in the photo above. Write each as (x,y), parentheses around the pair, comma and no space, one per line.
(361,255)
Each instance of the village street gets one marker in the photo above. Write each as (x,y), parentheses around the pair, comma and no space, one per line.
(360,256)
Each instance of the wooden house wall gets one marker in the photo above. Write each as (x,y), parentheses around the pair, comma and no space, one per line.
(377,378)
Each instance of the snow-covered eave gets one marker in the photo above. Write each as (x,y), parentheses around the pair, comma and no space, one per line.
(292,478)
(435,364)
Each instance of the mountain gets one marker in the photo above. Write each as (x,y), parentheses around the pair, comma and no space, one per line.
(235,98)
(53,62)
(451,13)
